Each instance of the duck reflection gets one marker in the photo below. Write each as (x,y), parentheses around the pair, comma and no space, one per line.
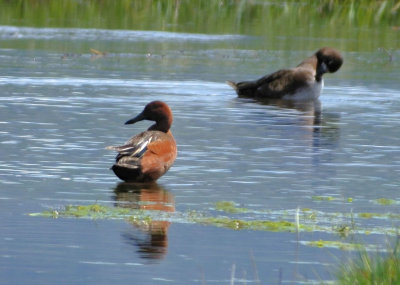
(322,130)
(152,197)
(311,109)
(324,127)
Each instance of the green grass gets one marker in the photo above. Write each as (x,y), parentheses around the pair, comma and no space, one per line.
(353,25)
(372,269)
(223,16)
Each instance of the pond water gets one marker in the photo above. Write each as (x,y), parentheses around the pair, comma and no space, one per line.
(61,105)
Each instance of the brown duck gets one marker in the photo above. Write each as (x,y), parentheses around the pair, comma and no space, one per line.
(148,155)
(303,82)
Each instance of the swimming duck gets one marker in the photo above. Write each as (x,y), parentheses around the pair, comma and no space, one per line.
(148,155)
(303,82)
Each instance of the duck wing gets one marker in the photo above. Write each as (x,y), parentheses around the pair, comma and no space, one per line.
(267,86)
(160,155)
(284,82)
(130,153)
(274,85)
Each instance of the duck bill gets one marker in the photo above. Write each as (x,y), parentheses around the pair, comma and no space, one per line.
(138,118)
(322,68)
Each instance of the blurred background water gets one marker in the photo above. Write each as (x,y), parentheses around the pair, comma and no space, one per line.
(62,104)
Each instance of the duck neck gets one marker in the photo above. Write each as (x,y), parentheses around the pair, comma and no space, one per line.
(162,126)
(310,62)
(315,64)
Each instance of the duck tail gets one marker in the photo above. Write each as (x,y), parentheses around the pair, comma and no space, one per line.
(233,85)
(245,88)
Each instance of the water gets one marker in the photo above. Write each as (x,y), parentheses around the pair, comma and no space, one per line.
(61,106)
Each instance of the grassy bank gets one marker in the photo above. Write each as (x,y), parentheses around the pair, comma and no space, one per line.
(348,24)
(222,16)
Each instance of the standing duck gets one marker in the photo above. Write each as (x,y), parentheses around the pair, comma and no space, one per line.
(148,155)
(303,82)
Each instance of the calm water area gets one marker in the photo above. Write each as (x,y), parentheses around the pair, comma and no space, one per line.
(61,105)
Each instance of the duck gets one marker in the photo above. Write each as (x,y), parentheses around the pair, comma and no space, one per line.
(148,155)
(303,82)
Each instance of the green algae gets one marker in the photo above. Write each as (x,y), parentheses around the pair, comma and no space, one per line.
(367,215)
(141,217)
(229,207)
(323,198)
(334,244)
(295,220)
(385,201)
(330,198)
(140,220)
(94,211)
(379,215)
(306,210)
(259,225)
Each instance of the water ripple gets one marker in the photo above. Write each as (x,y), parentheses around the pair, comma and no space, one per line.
(11,32)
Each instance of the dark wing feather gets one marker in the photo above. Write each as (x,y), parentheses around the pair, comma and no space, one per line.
(274,85)
(278,84)
(279,75)
(269,84)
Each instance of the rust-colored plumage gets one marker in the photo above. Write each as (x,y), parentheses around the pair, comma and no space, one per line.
(148,155)
(286,83)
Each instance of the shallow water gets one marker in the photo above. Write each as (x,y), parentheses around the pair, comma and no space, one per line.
(61,106)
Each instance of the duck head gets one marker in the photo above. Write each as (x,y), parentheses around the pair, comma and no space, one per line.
(329,60)
(157,111)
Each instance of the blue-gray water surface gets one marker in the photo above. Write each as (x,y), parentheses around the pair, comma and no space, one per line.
(61,105)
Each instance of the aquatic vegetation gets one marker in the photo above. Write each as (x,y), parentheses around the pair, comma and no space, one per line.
(333,244)
(379,215)
(385,269)
(367,215)
(310,215)
(95,211)
(229,207)
(385,202)
(323,198)
(372,269)
(139,220)
(343,230)
(296,220)
(330,198)
(260,225)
